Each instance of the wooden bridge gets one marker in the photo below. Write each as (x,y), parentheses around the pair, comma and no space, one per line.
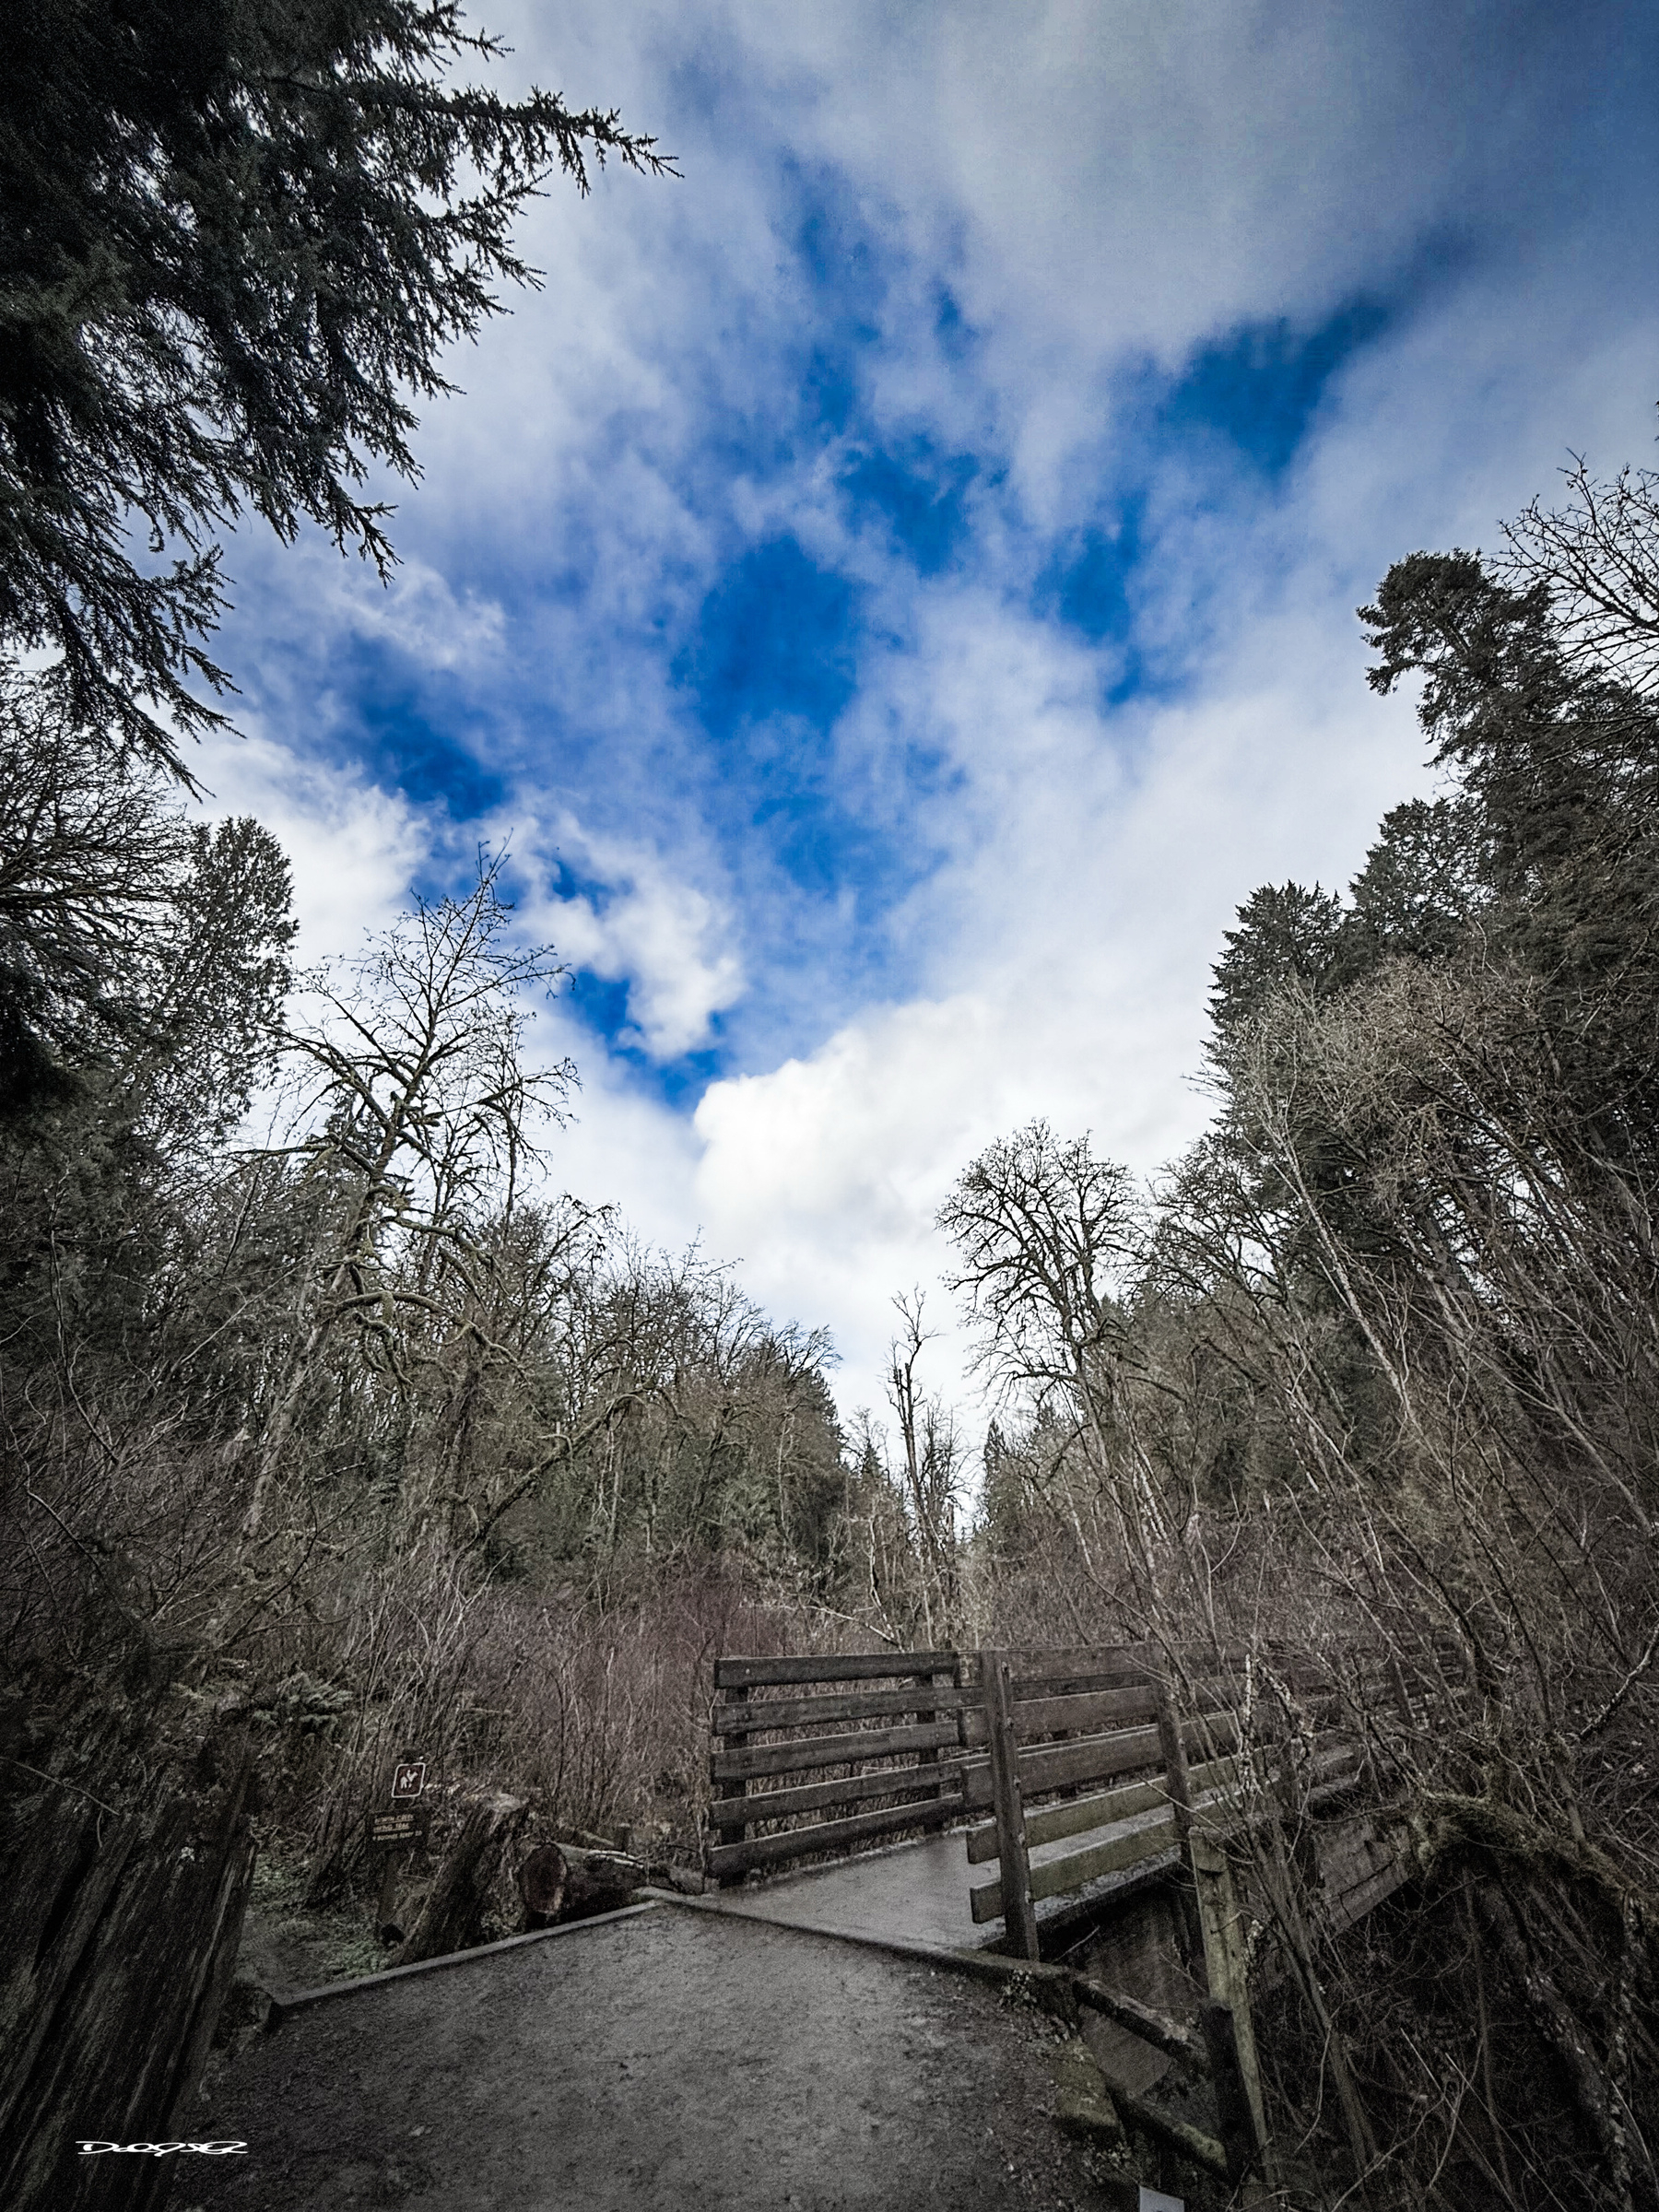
(1087,1812)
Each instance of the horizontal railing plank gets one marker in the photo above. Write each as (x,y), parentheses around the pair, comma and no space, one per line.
(1051,1880)
(830,1667)
(850,1705)
(1054,1877)
(1097,1757)
(1090,1713)
(847,1749)
(1123,1661)
(1088,1758)
(824,1797)
(1081,1658)
(1054,1823)
(829,1835)
(1044,1767)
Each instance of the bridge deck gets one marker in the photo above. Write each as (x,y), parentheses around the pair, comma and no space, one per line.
(918,1892)
(908,1893)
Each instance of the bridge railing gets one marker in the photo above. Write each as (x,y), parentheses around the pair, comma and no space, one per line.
(1093,1764)
(1060,1725)
(816,1754)
(821,1753)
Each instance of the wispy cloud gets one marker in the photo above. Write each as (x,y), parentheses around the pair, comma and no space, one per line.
(638,925)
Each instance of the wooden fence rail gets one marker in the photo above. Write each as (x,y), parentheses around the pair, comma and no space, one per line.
(896,1751)
(1106,1751)
(817,1754)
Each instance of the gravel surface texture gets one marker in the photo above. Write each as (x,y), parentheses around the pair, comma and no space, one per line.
(669,2061)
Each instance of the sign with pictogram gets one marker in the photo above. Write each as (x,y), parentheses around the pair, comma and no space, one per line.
(408,1781)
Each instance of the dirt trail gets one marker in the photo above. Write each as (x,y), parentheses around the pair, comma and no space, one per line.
(670,2062)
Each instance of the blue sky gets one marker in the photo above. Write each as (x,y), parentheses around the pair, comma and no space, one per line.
(895,587)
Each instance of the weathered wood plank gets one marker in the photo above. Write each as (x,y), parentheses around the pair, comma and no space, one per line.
(1054,1823)
(1226,1970)
(1186,2141)
(1044,1767)
(931,1758)
(1055,1876)
(851,1705)
(1096,1709)
(1152,2027)
(1090,1713)
(728,1794)
(829,1835)
(1058,1876)
(1103,1662)
(1088,1758)
(1126,1662)
(830,1667)
(850,1749)
(1096,1758)
(1344,1912)
(824,1797)
(1171,1748)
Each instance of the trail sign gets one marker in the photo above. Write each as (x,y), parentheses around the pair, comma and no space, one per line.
(408,1781)
(394,1831)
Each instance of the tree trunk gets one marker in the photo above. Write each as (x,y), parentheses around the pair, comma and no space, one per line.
(450,1918)
(119,1936)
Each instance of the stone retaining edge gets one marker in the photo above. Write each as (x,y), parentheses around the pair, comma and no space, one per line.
(983,1965)
(288,2001)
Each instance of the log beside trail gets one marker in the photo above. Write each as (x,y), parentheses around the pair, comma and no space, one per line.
(541,1883)
(451,1917)
(557,1887)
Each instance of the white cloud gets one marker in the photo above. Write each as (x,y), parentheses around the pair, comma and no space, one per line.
(353,847)
(649,928)
(1068,952)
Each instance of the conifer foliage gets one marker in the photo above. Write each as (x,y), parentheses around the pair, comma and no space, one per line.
(237,236)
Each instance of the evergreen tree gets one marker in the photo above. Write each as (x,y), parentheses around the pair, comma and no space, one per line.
(236,236)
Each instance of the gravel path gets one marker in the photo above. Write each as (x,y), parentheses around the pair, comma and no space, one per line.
(671,2062)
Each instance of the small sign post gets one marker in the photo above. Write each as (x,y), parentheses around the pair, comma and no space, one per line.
(392,1833)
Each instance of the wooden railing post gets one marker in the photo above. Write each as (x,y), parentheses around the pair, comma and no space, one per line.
(1019,1913)
(925,1711)
(1171,1748)
(1178,1780)
(961,1677)
(726,1789)
(1226,1966)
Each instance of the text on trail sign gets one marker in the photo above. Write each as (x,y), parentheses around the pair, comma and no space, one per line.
(409,1827)
(408,1781)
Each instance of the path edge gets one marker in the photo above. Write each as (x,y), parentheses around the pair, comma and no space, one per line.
(283,2002)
